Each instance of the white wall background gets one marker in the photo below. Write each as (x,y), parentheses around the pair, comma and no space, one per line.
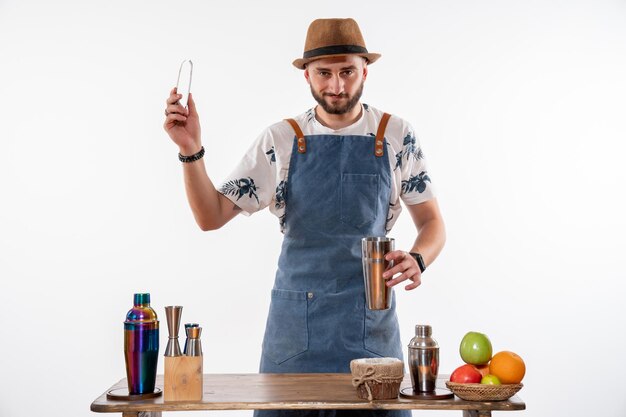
(520,107)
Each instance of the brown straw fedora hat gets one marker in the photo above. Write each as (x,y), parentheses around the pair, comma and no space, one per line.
(333,37)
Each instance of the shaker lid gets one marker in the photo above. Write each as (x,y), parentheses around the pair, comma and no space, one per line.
(141,298)
(423,330)
(422,339)
(141,311)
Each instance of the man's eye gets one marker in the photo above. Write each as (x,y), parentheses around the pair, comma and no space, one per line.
(323,74)
(348,73)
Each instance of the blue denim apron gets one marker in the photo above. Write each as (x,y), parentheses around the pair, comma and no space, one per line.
(338,192)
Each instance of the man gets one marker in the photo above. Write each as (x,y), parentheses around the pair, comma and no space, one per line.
(332,176)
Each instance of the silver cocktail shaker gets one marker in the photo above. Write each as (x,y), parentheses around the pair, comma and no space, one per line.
(423,359)
(377,293)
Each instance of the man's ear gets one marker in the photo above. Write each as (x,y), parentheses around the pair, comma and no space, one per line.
(364,72)
(306,75)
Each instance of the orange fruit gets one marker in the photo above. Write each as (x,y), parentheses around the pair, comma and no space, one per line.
(508,367)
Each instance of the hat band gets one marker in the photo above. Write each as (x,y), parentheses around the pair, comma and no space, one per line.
(334,50)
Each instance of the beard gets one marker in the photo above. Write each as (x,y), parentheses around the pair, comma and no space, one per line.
(338,108)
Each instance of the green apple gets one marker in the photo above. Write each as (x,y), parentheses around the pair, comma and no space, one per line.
(475,348)
(490,380)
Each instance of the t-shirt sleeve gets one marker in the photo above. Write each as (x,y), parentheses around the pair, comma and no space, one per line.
(416,186)
(251,185)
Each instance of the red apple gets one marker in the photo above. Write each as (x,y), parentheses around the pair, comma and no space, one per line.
(466,374)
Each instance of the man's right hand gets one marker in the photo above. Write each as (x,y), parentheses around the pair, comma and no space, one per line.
(182,125)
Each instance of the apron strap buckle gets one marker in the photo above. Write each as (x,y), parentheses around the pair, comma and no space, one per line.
(380,135)
(299,135)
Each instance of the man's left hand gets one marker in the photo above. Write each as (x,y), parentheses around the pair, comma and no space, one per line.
(406,266)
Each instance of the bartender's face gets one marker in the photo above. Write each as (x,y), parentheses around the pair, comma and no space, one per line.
(337,83)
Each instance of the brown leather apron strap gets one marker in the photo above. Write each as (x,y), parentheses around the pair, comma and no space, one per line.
(299,135)
(380,135)
(379,140)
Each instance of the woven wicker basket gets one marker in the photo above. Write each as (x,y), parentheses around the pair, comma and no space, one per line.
(483,392)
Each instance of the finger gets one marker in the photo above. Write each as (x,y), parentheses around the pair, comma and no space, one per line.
(395,255)
(176,116)
(393,271)
(396,281)
(173,119)
(173,98)
(191,105)
(177,109)
(416,283)
(397,268)
(402,277)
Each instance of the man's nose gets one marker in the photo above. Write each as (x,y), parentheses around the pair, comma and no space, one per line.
(335,84)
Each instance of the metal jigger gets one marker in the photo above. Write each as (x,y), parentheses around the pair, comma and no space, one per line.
(173,315)
(193,347)
(187,326)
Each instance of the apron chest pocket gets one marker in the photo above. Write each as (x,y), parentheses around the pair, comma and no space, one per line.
(286,333)
(359,199)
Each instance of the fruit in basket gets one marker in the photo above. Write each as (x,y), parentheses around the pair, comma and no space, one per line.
(509,367)
(490,380)
(475,348)
(483,369)
(466,374)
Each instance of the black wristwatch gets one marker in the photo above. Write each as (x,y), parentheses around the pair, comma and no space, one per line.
(420,261)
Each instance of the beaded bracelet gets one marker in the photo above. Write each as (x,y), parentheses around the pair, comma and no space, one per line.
(192,158)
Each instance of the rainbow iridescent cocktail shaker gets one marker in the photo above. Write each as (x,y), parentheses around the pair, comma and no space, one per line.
(141,346)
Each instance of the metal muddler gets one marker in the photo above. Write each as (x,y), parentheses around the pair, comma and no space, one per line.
(193,347)
(173,315)
(423,359)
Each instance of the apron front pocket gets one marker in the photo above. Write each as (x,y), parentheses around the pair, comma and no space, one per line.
(359,199)
(286,333)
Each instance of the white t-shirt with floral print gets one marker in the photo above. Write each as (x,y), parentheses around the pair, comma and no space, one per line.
(260,178)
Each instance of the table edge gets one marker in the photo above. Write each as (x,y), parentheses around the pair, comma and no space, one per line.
(99,406)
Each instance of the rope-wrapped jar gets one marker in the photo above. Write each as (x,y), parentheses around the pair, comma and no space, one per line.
(377,378)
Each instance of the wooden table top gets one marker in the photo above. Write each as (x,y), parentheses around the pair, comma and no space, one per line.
(290,391)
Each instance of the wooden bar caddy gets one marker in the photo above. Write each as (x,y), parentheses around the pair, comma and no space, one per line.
(183,378)
(183,370)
